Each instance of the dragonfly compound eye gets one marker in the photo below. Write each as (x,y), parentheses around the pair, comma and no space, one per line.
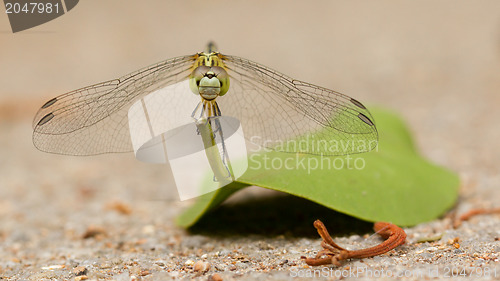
(209,82)
(223,77)
(195,78)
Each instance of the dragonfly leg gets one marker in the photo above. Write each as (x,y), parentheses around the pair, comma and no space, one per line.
(224,154)
(217,113)
(196,118)
(196,109)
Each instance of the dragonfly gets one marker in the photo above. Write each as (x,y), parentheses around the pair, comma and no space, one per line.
(274,110)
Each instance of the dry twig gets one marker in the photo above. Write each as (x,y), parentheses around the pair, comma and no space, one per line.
(333,253)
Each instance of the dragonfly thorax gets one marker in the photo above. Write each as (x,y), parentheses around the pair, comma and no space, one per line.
(209,82)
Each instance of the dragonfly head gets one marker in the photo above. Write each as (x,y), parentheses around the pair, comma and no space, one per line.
(209,82)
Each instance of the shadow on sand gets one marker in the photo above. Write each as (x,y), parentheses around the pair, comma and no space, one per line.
(276,214)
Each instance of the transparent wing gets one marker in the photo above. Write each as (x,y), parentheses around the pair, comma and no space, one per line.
(275,111)
(288,115)
(93,120)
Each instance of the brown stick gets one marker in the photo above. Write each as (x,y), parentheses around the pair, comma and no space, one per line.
(471,213)
(333,253)
(475,212)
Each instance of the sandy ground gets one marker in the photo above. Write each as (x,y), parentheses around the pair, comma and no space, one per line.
(112,218)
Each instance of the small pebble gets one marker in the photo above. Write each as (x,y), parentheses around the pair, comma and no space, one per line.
(160,263)
(120,207)
(220,267)
(94,231)
(148,229)
(282,262)
(80,270)
(189,262)
(81,277)
(214,277)
(201,266)
(53,267)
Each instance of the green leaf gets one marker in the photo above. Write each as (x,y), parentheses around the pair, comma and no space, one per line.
(393,183)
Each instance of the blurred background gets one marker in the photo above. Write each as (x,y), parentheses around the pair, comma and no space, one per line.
(436,63)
